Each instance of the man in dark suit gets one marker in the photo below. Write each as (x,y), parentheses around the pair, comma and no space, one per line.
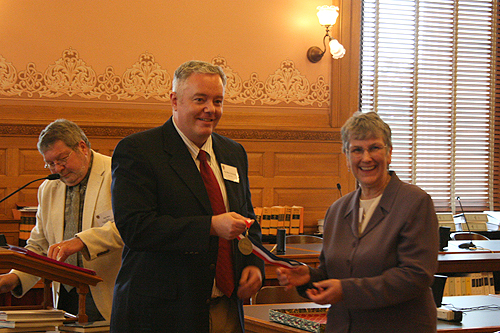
(167,282)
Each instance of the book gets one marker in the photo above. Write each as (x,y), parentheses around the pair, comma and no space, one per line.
(258,215)
(297,222)
(266,220)
(94,327)
(28,221)
(492,282)
(288,219)
(273,229)
(280,210)
(31,315)
(26,330)
(33,324)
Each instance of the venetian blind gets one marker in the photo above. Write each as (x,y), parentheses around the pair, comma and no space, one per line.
(427,69)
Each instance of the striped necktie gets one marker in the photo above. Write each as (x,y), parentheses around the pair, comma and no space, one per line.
(224,275)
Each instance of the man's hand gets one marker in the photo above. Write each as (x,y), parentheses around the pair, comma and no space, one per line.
(61,251)
(250,282)
(293,277)
(228,225)
(8,282)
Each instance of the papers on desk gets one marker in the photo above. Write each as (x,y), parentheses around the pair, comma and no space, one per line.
(29,209)
(493,217)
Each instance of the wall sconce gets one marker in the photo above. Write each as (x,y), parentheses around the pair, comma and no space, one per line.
(327,16)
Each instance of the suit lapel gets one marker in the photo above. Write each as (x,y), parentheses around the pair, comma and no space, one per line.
(182,163)
(91,193)
(224,156)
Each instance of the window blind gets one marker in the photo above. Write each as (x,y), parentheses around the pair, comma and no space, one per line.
(427,69)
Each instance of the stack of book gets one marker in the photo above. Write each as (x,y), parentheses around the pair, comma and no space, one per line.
(30,320)
(481,283)
(290,218)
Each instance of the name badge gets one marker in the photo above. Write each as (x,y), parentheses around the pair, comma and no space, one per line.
(230,173)
(104,217)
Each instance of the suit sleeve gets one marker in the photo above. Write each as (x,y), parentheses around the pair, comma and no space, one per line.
(101,240)
(36,243)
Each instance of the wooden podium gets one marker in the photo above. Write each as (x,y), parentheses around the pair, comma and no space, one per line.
(49,270)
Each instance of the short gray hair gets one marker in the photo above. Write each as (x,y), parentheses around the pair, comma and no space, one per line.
(195,67)
(63,130)
(363,126)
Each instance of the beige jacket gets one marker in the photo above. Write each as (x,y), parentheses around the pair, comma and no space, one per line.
(99,232)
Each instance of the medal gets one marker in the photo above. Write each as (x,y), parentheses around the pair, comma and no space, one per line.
(245,245)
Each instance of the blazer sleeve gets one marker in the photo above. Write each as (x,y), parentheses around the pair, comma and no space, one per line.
(36,243)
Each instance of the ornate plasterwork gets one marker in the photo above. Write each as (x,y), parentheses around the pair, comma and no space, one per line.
(71,77)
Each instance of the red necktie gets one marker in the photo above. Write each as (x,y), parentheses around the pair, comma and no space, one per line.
(224,276)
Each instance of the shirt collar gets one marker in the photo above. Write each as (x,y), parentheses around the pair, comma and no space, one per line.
(193,148)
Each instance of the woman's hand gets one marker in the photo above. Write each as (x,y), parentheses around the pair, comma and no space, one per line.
(326,292)
(293,277)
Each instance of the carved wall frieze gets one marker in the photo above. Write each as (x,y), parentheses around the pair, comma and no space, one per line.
(71,77)
(235,134)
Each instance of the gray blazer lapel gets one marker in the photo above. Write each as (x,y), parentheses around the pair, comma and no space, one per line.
(385,203)
(352,213)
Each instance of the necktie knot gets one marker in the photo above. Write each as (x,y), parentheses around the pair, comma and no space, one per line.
(202,155)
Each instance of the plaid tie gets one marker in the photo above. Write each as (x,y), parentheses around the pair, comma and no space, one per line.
(224,275)
(71,218)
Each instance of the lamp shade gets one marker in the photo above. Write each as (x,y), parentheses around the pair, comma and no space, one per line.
(327,15)
(336,49)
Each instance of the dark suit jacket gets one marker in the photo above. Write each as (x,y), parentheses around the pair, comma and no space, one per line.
(163,213)
(386,272)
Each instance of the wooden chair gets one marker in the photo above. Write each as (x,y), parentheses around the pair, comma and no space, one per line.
(465,235)
(303,239)
(278,294)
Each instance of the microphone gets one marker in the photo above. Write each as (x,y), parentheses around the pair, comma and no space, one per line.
(339,188)
(470,244)
(49,177)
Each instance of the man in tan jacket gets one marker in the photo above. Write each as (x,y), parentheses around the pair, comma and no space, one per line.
(74,221)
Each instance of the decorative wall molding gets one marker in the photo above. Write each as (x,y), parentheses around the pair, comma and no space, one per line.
(70,77)
(237,134)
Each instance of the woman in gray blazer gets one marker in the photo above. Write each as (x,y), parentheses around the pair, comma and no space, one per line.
(380,244)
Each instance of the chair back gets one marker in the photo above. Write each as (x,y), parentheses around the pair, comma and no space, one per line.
(464,235)
(278,294)
(303,239)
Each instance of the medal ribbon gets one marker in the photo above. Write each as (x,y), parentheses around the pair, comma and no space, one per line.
(264,254)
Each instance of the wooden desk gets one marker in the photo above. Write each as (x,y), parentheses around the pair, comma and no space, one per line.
(453,260)
(257,316)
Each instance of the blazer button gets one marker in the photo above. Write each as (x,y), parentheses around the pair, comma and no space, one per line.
(212,266)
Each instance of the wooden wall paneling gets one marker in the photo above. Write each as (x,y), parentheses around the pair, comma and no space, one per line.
(296,173)
(293,168)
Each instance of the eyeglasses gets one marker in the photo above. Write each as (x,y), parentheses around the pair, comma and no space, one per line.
(372,150)
(62,162)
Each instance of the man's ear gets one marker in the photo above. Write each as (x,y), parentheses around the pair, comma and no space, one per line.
(173,100)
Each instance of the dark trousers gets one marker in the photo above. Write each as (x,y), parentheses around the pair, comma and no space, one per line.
(68,301)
